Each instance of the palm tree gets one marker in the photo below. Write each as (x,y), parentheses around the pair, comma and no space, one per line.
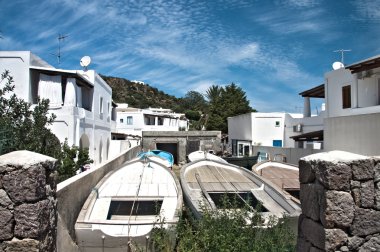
(213,93)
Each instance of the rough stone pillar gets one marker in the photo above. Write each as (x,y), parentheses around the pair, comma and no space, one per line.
(340,201)
(28,206)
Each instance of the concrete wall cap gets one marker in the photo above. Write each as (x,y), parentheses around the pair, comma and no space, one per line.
(334,157)
(23,157)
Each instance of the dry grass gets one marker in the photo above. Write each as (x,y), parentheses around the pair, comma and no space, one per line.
(176,170)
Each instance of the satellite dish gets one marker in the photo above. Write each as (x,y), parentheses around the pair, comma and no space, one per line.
(85,61)
(337,65)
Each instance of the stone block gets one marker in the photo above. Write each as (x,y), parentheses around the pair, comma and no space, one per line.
(339,210)
(344,249)
(367,194)
(24,160)
(366,222)
(32,220)
(377,171)
(363,169)
(311,195)
(313,232)
(355,184)
(302,245)
(25,185)
(335,238)
(314,249)
(355,242)
(25,245)
(6,224)
(356,196)
(5,201)
(377,195)
(334,176)
(372,245)
(306,172)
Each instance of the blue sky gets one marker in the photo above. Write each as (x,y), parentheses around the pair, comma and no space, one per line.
(272,49)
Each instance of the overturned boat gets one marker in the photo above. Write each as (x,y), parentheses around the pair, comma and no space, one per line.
(160,156)
(283,175)
(199,155)
(127,204)
(206,182)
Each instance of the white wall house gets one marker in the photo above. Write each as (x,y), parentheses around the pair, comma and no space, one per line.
(133,121)
(249,129)
(278,129)
(81,100)
(353,108)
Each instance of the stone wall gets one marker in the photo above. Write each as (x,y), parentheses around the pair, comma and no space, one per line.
(28,205)
(340,197)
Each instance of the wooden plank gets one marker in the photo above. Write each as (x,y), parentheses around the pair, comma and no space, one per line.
(205,193)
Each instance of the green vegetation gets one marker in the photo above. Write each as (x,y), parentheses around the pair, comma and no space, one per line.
(24,127)
(68,156)
(27,127)
(227,231)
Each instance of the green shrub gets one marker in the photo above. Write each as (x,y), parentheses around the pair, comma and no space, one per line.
(228,230)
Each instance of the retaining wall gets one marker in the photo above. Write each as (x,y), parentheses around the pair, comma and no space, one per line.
(340,198)
(28,205)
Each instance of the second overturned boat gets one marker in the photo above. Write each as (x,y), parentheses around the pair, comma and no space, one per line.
(206,182)
(161,156)
(127,204)
(199,155)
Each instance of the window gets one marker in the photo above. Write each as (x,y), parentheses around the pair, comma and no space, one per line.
(129,120)
(236,200)
(277,123)
(121,120)
(160,121)
(123,209)
(101,105)
(346,96)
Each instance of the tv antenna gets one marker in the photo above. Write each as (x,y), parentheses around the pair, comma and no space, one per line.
(342,51)
(61,38)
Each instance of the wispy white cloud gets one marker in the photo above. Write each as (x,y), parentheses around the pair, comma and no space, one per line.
(368,10)
(300,3)
(182,45)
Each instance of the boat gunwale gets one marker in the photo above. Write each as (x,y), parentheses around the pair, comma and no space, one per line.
(84,214)
(243,171)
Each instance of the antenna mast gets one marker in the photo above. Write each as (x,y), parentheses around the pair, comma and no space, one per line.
(342,53)
(61,37)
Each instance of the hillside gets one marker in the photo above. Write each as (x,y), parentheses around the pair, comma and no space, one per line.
(140,95)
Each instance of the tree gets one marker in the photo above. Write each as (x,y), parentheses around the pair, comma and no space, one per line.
(223,103)
(193,100)
(27,127)
(68,156)
(192,115)
(213,93)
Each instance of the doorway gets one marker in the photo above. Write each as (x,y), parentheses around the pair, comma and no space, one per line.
(169,147)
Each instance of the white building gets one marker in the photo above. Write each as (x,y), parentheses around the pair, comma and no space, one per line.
(81,100)
(278,129)
(133,121)
(353,108)
(350,121)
